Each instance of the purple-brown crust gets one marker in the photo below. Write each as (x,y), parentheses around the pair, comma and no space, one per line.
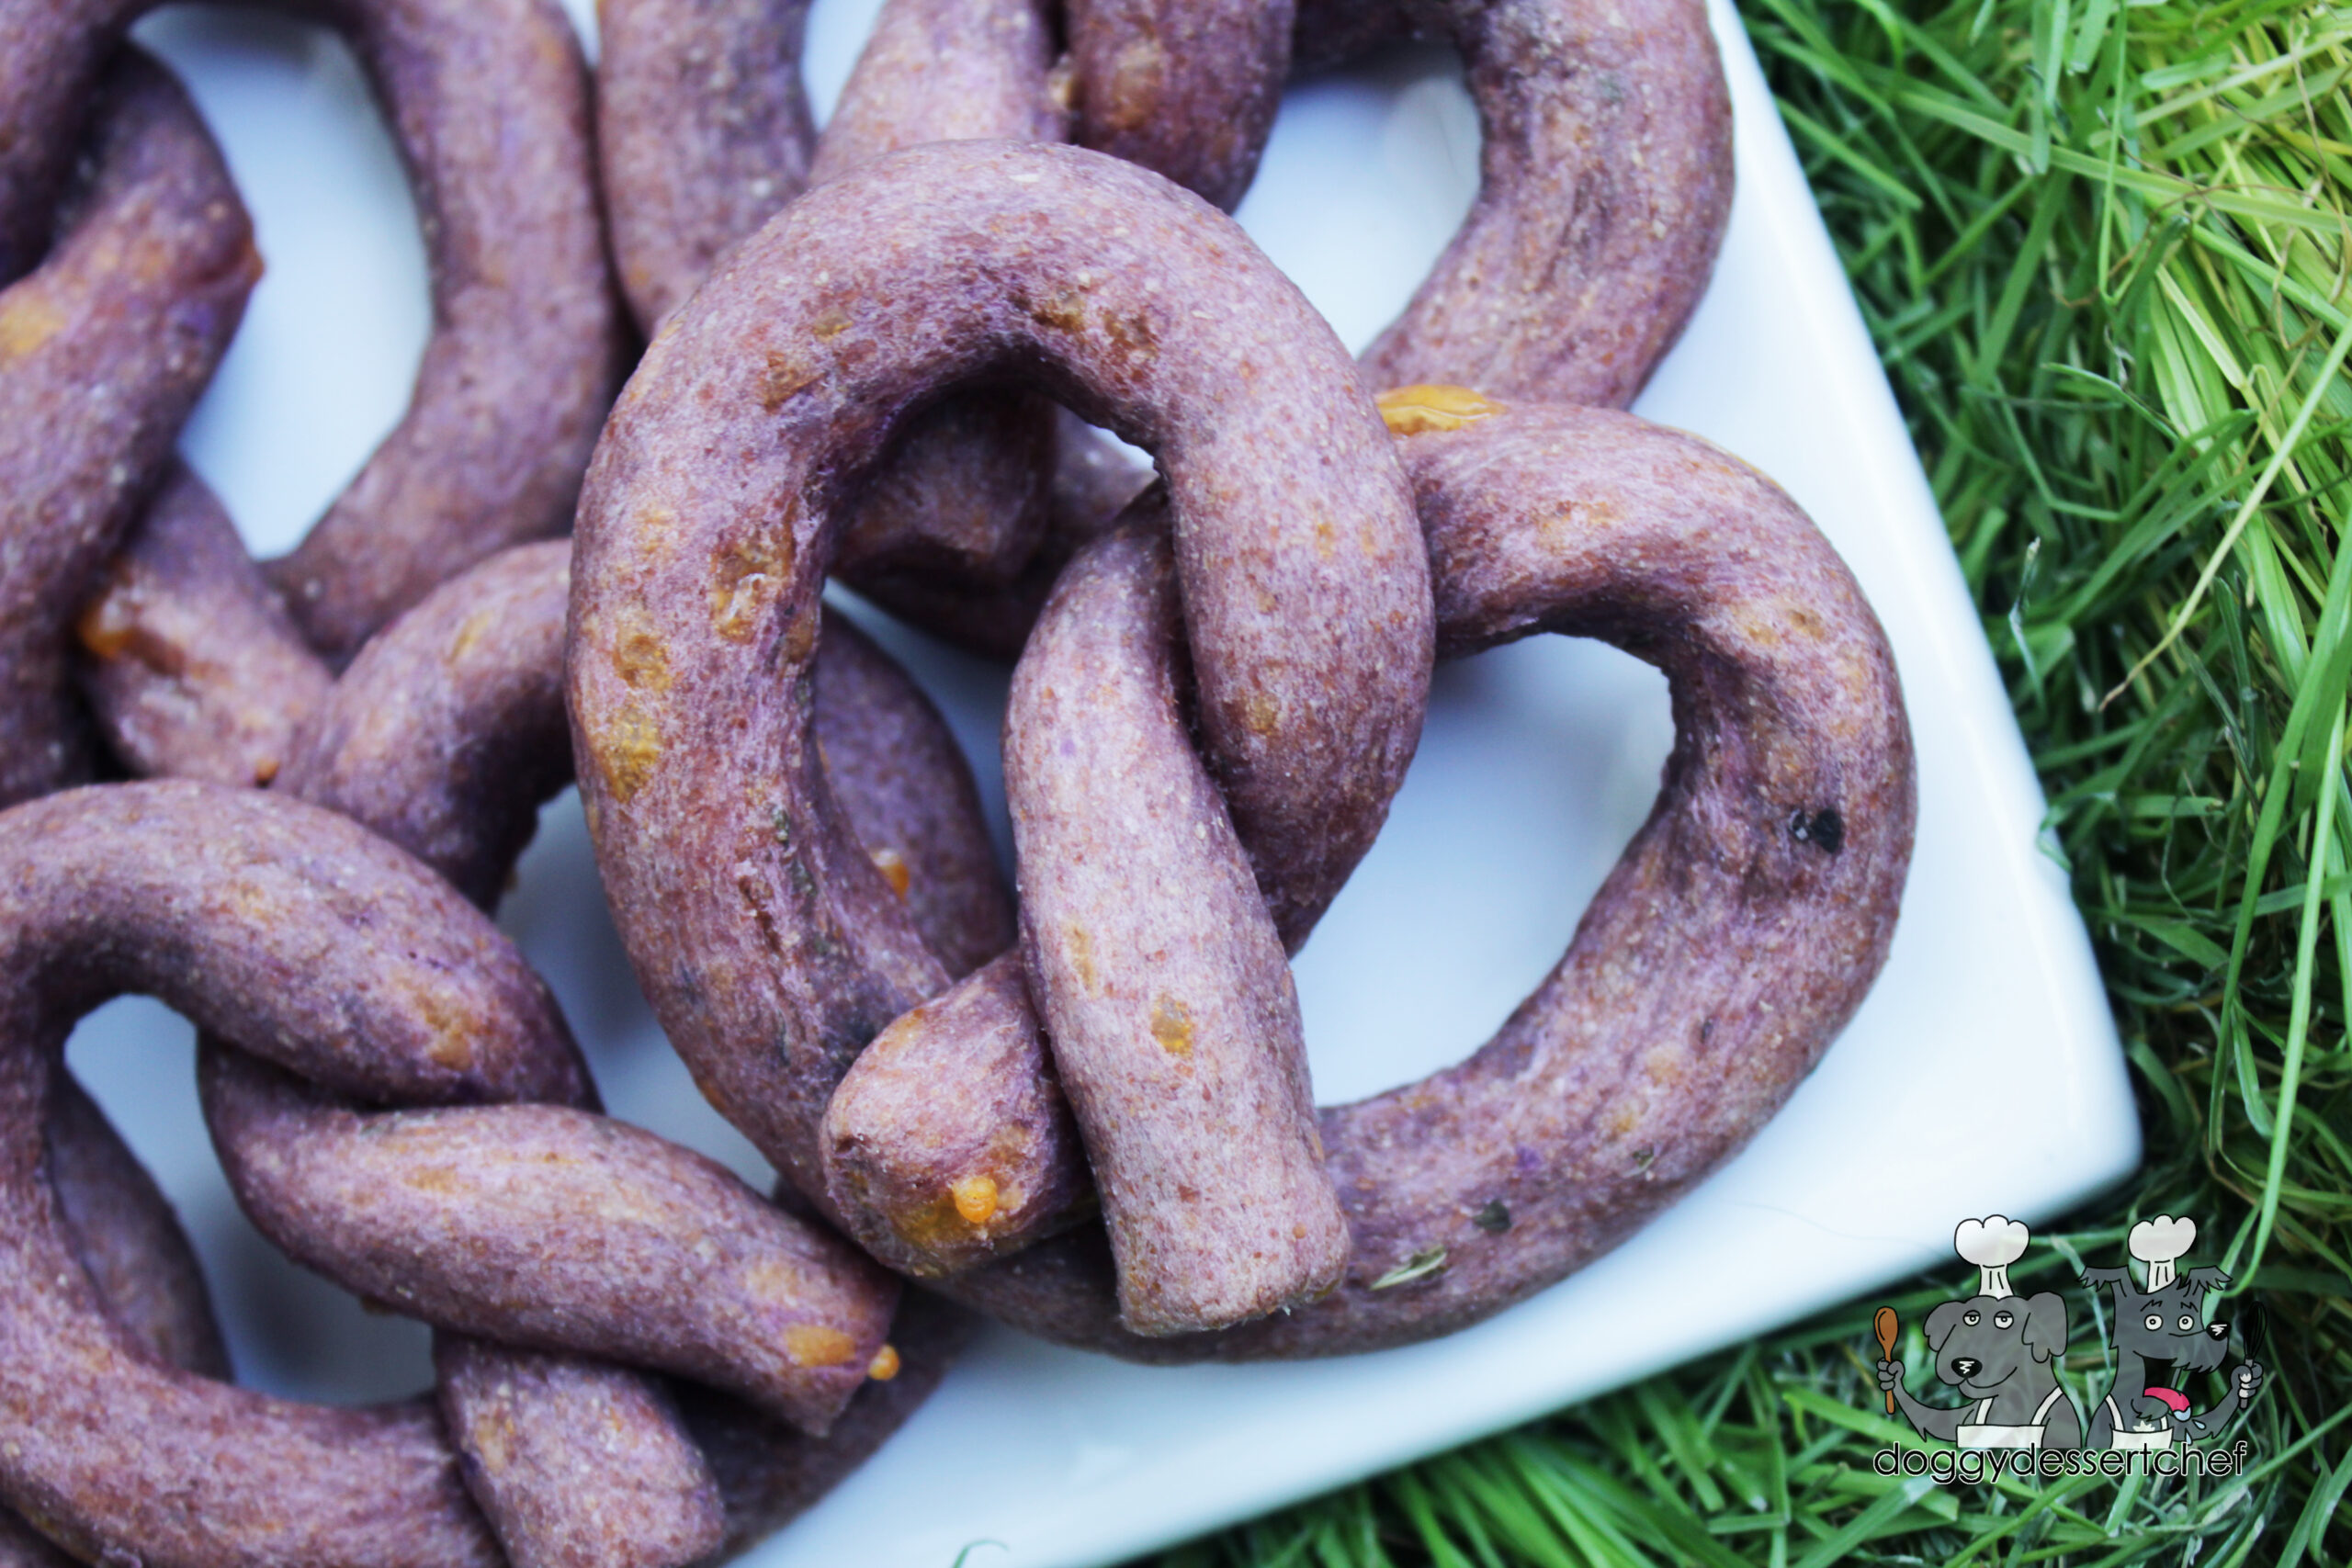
(1164,988)
(899,774)
(702,131)
(445,736)
(191,665)
(103,351)
(447,733)
(1605,181)
(550,1228)
(705,131)
(488,102)
(1606,184)
(946,71)
(121,1226)
(1735,937)
(1187,89)
(265,920)
(118,1223)
(576,1463)
(293,931)
(965,495)
(896,1149)
(694,612)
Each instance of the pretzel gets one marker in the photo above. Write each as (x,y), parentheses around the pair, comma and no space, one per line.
(292,931)
(695,601)
(1738,932)
(445,736)
(705,134)
(488,103)
(103,351)
(1605,181)
(448,732)
(702,131)
(1605,186)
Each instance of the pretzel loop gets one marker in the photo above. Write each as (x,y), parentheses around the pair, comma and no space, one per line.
(695,610)
(1735,937)
(488,102)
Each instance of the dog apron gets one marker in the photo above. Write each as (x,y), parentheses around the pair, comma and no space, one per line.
(1981,1434)
(2129,1435)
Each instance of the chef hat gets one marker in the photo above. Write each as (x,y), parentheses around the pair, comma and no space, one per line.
(2159,1241)
(1992,1244)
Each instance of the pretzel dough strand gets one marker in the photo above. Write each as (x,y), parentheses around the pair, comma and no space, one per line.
(1735,937)
(103,351)
(488,103)
(1297,550)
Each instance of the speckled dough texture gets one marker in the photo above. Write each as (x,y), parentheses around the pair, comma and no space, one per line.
(191,666)
(1165,989)
(448,732)
(103,351)
(249,914)
(1605,186)
(1735,938)
(292,930)
(1606,175)
(118,1223)
(1187,89)
(1605,181)
(443,737)
(933,1183)
(696,614)
(707,135)
(545,1225)
(702,129)
(966,495)
(488,102)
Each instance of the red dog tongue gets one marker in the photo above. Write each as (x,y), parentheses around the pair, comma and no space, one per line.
(2172,1397)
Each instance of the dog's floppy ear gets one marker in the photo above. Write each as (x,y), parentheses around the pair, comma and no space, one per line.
(2045,1325)
(1941,1322)
(2205,1279)
(2119,1277)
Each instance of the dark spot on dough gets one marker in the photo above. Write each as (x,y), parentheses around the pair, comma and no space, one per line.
(1824,829)
(1494,1219)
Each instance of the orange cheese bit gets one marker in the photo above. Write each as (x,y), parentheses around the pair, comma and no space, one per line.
(1409,410)
(975,1199)
(818,1344)
(885,1365)
(894,869)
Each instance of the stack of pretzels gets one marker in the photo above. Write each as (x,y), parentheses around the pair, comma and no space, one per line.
(876,355)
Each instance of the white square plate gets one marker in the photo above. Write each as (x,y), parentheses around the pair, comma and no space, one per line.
(1538,764)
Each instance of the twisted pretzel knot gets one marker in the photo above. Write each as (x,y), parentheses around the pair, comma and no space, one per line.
(1136,1056)
(1160,890)
(444,736)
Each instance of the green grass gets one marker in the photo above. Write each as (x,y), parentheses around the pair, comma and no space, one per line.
(2106,252)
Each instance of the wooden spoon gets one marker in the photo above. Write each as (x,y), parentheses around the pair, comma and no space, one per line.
(1884,1326)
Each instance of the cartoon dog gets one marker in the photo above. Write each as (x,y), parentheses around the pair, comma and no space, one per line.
(2160,1335)
(2000,1351)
